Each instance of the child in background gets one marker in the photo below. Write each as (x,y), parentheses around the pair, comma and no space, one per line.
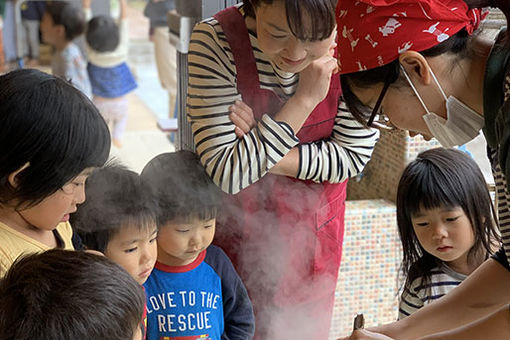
(111,78)
(203,295)
(60,24)
(119,220)
(51,137)
(31,14)
(69,295)
(447,224)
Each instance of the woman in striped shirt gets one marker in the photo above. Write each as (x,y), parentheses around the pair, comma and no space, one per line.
(270,129)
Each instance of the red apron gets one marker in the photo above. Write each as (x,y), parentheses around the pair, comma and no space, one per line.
(283,235)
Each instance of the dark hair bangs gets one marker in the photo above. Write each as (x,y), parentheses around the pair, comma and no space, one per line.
(311,20)
(431,189)
(50,124)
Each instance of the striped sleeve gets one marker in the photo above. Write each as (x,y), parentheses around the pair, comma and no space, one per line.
(341,156)
(232,163)
(418,294)
(410,301)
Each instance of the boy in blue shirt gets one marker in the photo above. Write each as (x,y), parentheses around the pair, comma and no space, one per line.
(194,291)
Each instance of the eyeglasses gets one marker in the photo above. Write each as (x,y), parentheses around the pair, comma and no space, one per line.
(382,122)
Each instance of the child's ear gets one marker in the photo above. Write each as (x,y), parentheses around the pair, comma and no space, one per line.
(13,181)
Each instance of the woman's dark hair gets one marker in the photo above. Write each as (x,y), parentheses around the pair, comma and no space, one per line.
(62,294)
(320,16)
(116,198)
(182,187)
(443,178)
(102,34)
(68,15)
(456,44)
(48,123)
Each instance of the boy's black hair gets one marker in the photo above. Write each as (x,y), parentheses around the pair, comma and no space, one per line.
(116,198)
(68,15)
(457,44)
(47,122)
(443,178)
(308,20)
(102,34)
(182,187)
(62,294)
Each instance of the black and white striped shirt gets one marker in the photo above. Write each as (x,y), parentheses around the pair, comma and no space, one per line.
(235,163)
(442,280)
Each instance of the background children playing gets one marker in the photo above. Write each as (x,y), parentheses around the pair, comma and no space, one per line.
(203,295)
(111,78)
(446,222)
(119,220)
(60,24)
(61,294)
(51,136)
(31,14)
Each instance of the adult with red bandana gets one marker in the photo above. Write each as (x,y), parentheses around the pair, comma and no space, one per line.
(416,65)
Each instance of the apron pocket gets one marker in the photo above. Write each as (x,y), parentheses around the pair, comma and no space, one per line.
(329,237)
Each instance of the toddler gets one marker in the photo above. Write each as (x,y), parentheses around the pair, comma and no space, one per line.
(51,138)
(119,220)
(60,24)
(110,76)
(446,222)
(194,291)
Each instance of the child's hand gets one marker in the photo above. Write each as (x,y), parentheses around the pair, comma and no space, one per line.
(242,117)
(86,3)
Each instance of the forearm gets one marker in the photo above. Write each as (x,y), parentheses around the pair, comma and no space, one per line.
(341,156)
(295,112)
(288,165)
(482,293)
(494,327)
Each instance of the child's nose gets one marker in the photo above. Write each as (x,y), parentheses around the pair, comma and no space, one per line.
(439,231)
(79,194)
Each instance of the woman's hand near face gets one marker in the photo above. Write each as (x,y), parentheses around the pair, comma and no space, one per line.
(315,79)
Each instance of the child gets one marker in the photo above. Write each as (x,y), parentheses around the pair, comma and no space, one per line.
(61,294)
(31,14)
(60,24)
(446,222)
(51,137)
(107,50)
(194,291)
(119,220)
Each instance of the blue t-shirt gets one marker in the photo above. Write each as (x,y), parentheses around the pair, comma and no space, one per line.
(204,300)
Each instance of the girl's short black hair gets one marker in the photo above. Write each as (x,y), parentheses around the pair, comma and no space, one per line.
(457,44)
(116,198)
(182,187)
(68,15)
(443,178)
(303,15)
(63,294)
(102,34)
(48,123)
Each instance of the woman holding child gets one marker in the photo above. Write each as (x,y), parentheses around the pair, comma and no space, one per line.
(272,132)
(424,70)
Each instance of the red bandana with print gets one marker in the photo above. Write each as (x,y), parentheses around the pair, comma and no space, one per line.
(373,33)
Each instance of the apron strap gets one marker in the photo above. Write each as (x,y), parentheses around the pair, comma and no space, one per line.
(236,32)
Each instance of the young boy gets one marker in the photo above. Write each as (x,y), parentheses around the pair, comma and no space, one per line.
(194,291)
(60,24)
(62,294)
(119,219)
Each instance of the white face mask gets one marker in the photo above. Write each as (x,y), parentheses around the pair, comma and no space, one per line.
(462,123)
